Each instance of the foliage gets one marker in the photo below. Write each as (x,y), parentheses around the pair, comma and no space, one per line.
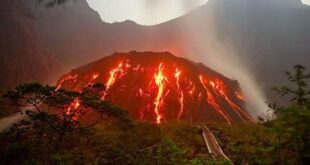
(293,135)
(274,141)
(187,136)
(284,140)
(53,135)
(55,116)
(145,143)
(299,93)
(291,125)
(247,144)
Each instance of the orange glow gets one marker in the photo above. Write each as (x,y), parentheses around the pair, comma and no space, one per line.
(112,78)
(73,108)
(93,78)
(239,96)
(213,103)
(159,80)
(66,78)
(115,74)
(77,104)
(238,110)
(191,92)
(180,91)
(220,87)
(160,92)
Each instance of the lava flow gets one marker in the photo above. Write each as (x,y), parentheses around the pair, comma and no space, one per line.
(159,100)
(114,74)
(160,87)
(181,98)
(212,102)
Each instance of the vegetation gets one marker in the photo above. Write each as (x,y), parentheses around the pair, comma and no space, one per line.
(65,127)
(284,140)
(96,132)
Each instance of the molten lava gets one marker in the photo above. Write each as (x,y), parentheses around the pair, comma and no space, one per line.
(180,91)
(159,100)
(212,102)
(114,73)
(159,87)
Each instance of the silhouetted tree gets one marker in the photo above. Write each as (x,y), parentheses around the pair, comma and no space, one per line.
(299,93)
(292,122)
(55,114)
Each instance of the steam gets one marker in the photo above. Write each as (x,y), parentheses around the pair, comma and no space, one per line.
(228,62)
(235,67)
(201,44)
(225,59)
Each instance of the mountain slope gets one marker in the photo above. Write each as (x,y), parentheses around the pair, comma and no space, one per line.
(160,87)
(21,57)
(252,41)
(274,33)
(76,34)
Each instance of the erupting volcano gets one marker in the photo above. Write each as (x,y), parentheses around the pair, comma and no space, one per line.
(160,87)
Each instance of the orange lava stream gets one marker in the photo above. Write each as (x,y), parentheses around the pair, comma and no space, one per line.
(67,78)
(219,86)
(93,78)
(113,76)
(159,87)
(181,98)
(211,100)
(238,109)
(158,102)
(72,109)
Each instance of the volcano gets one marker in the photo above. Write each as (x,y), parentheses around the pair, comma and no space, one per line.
(159,87)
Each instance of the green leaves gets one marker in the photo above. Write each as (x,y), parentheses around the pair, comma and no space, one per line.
(170,153)
(291,124)
(299,92)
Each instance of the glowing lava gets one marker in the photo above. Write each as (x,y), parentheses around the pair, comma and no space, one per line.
(220,87)
(212,102)
(159,80)
(73,109)
(114,75)
(239,96)
(91,82)
(160,87)
(180,92)
(66,79)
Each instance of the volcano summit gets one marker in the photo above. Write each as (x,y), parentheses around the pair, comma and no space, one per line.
(160,87)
